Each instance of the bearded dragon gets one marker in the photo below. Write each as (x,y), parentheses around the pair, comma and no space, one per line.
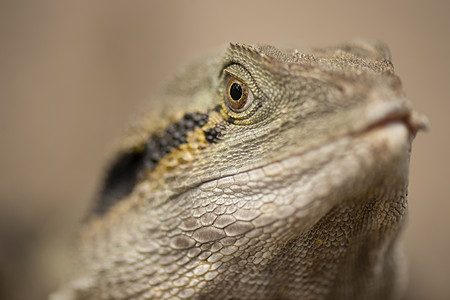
(258,173)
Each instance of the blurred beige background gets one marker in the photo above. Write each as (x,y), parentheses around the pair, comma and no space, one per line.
(72,74)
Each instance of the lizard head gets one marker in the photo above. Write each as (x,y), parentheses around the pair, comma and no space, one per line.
(268,172)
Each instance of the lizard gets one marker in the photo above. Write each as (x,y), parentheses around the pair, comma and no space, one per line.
(259,173)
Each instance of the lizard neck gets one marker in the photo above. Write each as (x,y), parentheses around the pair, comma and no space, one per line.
(350,252)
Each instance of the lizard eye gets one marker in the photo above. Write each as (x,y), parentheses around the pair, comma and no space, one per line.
(237,94)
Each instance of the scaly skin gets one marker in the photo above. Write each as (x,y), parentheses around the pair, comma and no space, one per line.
(301,194)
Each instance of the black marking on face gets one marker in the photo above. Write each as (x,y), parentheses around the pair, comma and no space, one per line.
(213,135)
(218,108)
(160,145)
(120,180)
(231,120)
(124,173)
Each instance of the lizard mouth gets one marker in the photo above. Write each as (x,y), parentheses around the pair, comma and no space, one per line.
(381,139)
(381,115)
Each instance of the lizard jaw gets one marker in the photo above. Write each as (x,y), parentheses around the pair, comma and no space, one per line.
(380,114)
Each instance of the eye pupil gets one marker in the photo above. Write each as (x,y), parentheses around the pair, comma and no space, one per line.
(237,95)
(236,91)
